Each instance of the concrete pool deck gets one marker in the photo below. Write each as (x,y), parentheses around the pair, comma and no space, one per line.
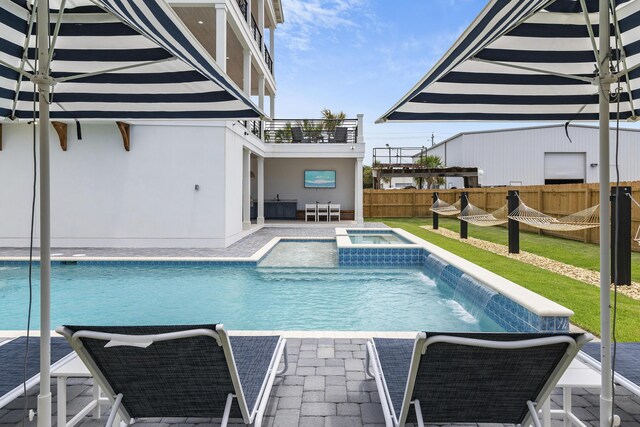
(325,385)
(245,247)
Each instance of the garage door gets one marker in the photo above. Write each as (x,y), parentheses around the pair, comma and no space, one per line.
(564,167)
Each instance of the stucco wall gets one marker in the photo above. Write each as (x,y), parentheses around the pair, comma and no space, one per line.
(286,178)
(102,195)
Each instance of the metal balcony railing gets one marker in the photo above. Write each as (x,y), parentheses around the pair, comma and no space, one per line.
(268,59)
(311,131)
(243,7)
(253,126)
(255,31)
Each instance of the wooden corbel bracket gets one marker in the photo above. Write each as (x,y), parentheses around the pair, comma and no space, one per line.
(125,131)
(61,130)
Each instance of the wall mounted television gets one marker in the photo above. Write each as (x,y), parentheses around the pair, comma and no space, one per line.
(319,179)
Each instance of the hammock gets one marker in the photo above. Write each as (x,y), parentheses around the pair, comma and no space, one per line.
(443,208)
(585,219)
(476,216)
(637,236)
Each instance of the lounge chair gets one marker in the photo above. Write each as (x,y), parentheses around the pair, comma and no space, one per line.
(296,135)
(469,377)
(339,135)
(180,371)
(12,354)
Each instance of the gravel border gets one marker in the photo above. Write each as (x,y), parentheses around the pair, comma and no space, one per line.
(582,274)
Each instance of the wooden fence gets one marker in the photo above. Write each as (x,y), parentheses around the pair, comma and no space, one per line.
(555,200)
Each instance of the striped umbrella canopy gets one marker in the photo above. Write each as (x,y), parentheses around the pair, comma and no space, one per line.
(101,60)
(113,59)
(543,60)
(529,60)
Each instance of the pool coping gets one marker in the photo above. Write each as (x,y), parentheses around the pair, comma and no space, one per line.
(9,333)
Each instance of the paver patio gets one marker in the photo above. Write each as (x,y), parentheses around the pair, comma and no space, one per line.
(325,386)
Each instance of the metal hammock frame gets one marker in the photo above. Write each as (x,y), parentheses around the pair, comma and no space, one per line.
(443,208)
(583,220)
(637,236)
(477,216)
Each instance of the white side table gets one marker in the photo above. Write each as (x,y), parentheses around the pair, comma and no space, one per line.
(75,368)
(579,375)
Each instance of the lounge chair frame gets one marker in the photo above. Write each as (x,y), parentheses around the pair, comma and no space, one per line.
(222,339)
(373,369)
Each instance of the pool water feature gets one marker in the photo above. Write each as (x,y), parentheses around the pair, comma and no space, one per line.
(243,298)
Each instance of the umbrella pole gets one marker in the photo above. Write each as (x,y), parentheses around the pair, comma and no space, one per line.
(42,79)
(604,85)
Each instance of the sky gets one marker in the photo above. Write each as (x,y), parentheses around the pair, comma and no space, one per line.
(362,56)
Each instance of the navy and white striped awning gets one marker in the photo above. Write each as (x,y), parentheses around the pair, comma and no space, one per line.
(528,60)
(115,59)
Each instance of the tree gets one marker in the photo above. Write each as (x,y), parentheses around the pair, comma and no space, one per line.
(432,162)
(367,177)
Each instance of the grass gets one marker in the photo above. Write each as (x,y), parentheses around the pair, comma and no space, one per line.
(579,254)
(583,299)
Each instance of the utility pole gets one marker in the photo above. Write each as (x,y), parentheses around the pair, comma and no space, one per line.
(433,139)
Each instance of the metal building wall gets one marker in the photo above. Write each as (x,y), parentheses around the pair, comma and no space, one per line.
(518,155)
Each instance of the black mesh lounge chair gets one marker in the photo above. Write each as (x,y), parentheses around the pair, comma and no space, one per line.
(339,135)
(12,372)
(180,371)
(469,377)
(296,135)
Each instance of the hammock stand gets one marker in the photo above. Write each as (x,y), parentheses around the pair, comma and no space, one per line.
(637,236)
(476,216)
(443,208)
(583,220)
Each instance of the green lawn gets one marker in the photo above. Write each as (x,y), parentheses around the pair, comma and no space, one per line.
(583,299)
(585,255)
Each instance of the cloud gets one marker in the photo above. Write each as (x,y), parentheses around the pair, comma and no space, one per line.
(306,18)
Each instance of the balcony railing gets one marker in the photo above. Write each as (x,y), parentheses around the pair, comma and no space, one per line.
(253,126)
(311,131)
(243,7)
(255,31)
(268,59)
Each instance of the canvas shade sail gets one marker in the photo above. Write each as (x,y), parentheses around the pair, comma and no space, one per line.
(114,59)
(533,60)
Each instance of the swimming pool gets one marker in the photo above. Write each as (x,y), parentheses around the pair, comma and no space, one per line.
(291,284)
(244,298)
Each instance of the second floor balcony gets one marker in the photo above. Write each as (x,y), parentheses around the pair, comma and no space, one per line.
(311,131)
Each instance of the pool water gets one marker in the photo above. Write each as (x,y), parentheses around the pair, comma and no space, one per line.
(243,298)
(377,239)
(301,253)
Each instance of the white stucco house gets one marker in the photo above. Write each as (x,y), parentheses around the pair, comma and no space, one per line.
(187,184)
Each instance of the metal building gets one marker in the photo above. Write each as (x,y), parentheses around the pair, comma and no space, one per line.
(538,155)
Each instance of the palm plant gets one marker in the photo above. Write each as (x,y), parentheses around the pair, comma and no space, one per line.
(432,162)
(332,120)
(283,134)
